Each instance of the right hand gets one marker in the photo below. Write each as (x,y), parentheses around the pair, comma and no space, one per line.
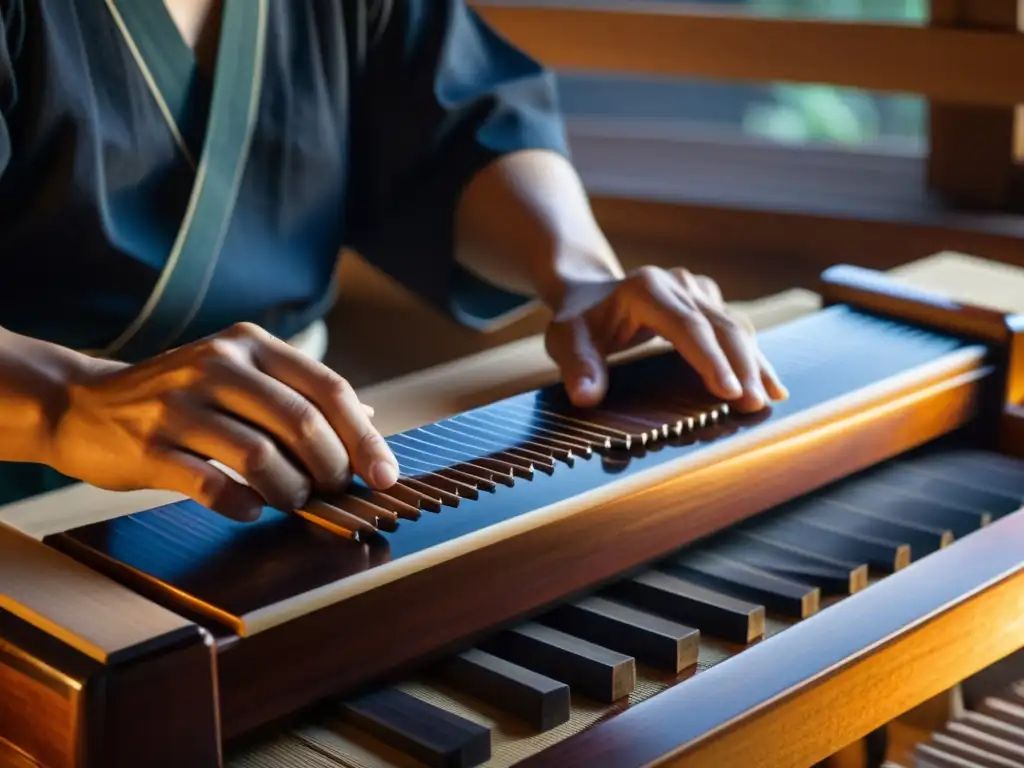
(286,424)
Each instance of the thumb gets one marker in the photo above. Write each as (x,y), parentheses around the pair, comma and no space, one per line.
(572,348)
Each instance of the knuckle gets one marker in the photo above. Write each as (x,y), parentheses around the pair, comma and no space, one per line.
(726,322)
(220,348)
(341,390)
(246,331)
(371,444)
(259,454)
(646,278)
(211,485)
(308,422)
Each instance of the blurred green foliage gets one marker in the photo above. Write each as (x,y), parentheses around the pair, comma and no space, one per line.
(819,113)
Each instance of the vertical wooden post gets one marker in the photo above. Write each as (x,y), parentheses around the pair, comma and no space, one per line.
(972,154)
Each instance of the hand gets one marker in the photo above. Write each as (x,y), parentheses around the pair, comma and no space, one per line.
(286,424)
(599,319)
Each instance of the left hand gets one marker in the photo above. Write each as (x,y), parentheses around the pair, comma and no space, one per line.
(598,319)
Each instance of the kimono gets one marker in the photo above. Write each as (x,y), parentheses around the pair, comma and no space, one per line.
(144,205)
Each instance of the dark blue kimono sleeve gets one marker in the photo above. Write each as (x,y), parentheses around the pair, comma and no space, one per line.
(11,34)
(441,96)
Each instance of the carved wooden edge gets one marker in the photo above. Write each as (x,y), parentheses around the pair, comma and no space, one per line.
(64,709)
(163,710)
(85,610)
(658,38)
(457,599)
(859,664)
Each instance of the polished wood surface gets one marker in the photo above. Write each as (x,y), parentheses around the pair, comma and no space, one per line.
(44,707)
(977,475)
(905,416)
(62,709)
(660,38)
(478,595)
(88,612)
(905,639)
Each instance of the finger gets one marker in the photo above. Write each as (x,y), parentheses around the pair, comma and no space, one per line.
(739,346)
(776,389)
(571,346)
(709,288)
(371,456)
(673,314)
(253,455)
(191,476)
(278,410)
(769,377)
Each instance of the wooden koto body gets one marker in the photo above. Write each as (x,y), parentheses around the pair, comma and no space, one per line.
(509,515)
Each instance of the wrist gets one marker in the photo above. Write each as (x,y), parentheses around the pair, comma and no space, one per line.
(578,273)
(35,380)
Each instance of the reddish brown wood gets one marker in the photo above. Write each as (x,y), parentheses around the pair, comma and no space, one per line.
(1015,362)
(43,711)
(1011,439)
(573,554)
(64,710)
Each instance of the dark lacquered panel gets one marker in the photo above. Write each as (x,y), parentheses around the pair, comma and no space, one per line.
(240,567)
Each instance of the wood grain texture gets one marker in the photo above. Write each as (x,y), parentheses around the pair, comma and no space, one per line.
(478,596)
(62,709)
(44,707)
(906,639)
(98,617)
(951,65)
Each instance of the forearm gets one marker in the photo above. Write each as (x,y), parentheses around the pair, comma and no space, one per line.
(525,223)
(33,380)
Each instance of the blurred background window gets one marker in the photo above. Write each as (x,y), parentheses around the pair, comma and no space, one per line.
(783,112)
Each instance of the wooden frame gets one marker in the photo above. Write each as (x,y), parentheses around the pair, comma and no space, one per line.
(963,62)
(908,638)
(955,65)
(93,674)
(711,197)
(683,500)
(971,161)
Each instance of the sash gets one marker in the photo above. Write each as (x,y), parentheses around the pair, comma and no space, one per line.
(168,66)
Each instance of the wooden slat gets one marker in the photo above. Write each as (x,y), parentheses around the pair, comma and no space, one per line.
(432,735)
(662,188)
(971,160)
(661,38)
(651,639)
(590,669)
(709,611)
(536,699)
(83,609)
(904,640)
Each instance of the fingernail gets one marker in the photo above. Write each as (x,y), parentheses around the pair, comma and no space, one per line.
(383,474)
(585,384)
(732,385)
